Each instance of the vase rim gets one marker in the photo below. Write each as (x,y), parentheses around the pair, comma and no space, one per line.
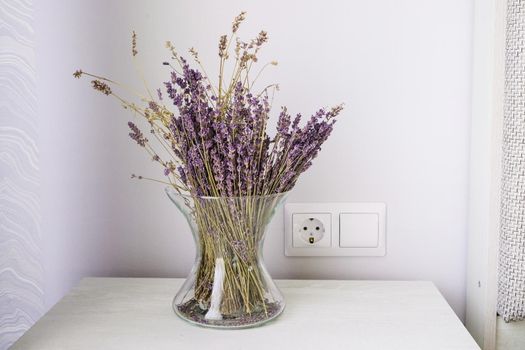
(170,191)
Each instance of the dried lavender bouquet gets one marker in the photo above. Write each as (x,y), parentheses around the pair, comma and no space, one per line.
(211,141)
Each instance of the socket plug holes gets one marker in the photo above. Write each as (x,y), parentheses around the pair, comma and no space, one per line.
(311,230)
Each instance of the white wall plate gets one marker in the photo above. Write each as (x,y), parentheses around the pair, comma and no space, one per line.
(342,229)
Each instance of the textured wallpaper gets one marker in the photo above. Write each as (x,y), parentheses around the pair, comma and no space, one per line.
(21,275)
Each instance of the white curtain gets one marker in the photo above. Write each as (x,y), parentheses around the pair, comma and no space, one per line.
(511,296)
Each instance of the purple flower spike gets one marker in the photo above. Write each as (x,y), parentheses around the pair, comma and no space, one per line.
(137,135)
(217,136)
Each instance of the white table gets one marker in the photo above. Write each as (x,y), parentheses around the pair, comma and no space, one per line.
(135,313)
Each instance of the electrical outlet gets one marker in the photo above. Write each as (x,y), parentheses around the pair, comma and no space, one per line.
(335,229)
(312,229)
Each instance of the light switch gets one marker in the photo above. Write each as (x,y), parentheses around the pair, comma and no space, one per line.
(358,230)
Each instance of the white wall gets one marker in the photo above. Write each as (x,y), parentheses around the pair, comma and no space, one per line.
(402,67)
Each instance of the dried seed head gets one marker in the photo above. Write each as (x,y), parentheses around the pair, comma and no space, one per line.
(101,86)
(237,21)
(170,47)
(261,38)
(334,111)
(246,57)
(237,48)
(223,41)
(194,53)
(78,73)
(134,51)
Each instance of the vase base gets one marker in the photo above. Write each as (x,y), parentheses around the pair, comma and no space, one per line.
(193,313)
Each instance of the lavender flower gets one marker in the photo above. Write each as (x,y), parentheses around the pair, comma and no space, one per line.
(241,249)
(134,51)
(137,135)
(214,141)
(218,136)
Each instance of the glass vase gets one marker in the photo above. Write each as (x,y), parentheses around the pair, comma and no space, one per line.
(228,286)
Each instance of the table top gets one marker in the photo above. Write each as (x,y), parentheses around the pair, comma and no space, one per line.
(136,313)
